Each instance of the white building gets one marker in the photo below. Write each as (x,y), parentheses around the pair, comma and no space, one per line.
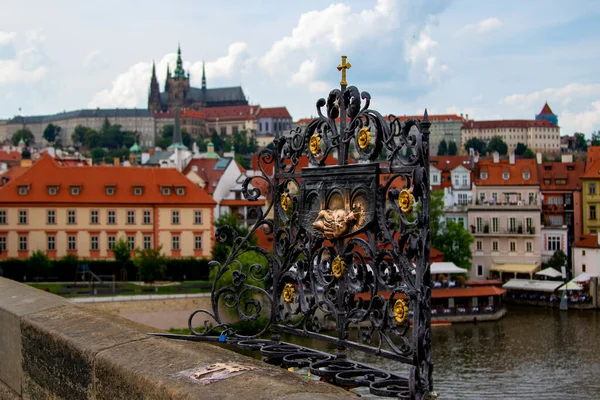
(586,256)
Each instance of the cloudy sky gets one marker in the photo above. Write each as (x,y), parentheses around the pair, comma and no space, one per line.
(482,58)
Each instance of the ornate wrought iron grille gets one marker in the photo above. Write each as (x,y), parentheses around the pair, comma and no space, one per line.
(349,251)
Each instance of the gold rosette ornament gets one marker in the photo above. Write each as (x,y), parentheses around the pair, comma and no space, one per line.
(315,144)
(338,266)
(286,201)
(400,311)
(406,200)
(288,293)
(364,138)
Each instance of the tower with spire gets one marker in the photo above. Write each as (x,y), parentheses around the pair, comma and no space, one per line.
(547,114)
(154,93)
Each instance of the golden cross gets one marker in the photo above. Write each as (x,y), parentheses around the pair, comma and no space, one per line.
(343,67)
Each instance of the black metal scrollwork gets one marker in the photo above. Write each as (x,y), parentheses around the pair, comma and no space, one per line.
(350,254)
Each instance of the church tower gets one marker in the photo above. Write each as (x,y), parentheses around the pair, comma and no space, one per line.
(154,93)
(178,84)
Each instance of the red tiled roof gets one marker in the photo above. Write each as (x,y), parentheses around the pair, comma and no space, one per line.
(588,241)
(9,156)
(274,112)
(243,202)
(93,181)
(515,171)
(449,163)
(508,123)
(303,121)
(206,171)
(12,173)
(484,282)
(435,255)
(432,117)
(546,110)
(592,169)
(231,113)
(185,113)
(568,171)
(447,293)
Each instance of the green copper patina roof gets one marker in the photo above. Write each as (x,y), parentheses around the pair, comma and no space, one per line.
(21,141)
(135,148)
(179,72)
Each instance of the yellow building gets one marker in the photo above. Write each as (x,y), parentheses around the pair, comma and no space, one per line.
(590,193)
(84,210)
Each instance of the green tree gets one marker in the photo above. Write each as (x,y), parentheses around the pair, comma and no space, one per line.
(476,144)
(221,251)
(129,138)
(243,161)
(122,251)
(24,134)
(436,213)
(442,148)
(452,148)
(78,135)
(558,260)
(528,153)
(151,264)
(520,149)
(455,241)
(580,142)
(595,139)
(92,139)
(51,132)
(497,144)
(98,154)
(166,137)
(38,264)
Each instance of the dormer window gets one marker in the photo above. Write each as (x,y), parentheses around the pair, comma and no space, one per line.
(110,190)
(166,191)
(546,181)
(52,190)
(180,191)
(23,190)
(505,176)
(483,175)
(526,175)
(138,190)
(75,190)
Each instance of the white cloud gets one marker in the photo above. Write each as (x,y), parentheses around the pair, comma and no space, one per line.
(482,27)
(562,96)
(95,60)
(585,121)
(28,65)
(237,59)
(422,58)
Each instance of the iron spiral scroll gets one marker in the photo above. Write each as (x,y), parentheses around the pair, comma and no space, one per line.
(349,253)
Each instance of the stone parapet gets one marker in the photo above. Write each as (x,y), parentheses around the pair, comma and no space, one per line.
(53,348)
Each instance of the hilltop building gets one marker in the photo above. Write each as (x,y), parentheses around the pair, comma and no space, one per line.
(547,115)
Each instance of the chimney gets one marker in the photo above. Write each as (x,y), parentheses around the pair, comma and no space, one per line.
(511,158)
(467,117)
(461,116)
(210,147)
(116,161)
(538,157)
(496,157)
(566,158)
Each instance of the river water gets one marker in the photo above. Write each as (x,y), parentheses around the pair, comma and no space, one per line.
(532,353)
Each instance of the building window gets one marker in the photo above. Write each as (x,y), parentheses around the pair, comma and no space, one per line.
(434,179)
(198,242)
(592,212)
(583,268)
(2,217)
(266,126)
(568,199)
(110,190)
(556,220)
(505,176)
(198,217)
(480,270)
(147,217)
(111,242)
(529,247)
(71,217)
(51,243)
(234,130)
(112,217)
(495,225)
(175,242)
(462,198)
(51,217)
(531,198)
(482,197)
(52,190)
(465,180)
(494,197)
(526,175)
(22,217)
(166,191)
(529,224)
(138,191)
(513,246)
(223,130)
(479,224)
(479,245)
(131,217)
(131,242)
(512,224)
(147,242)
(75,191)
(495,245)
(93,217)
(592,188)
(583,252)
(553,243)
(94,243)
(180,191)
(175,217)
(71,242)
(22,243)
(2,244)
(23,190)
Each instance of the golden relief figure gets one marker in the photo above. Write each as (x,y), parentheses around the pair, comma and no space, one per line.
(400,311)
(406,200)
(338,267)
(314,145)
(288,293)
(335,223)
(364,138)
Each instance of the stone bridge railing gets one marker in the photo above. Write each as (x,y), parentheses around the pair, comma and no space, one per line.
(52,348)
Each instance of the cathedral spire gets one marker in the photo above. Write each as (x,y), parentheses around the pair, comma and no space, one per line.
(154,93)
(203,76)
(153,70)
(179,72)
(177,138)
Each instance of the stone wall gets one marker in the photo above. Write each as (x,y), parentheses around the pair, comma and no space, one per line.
(53,349)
